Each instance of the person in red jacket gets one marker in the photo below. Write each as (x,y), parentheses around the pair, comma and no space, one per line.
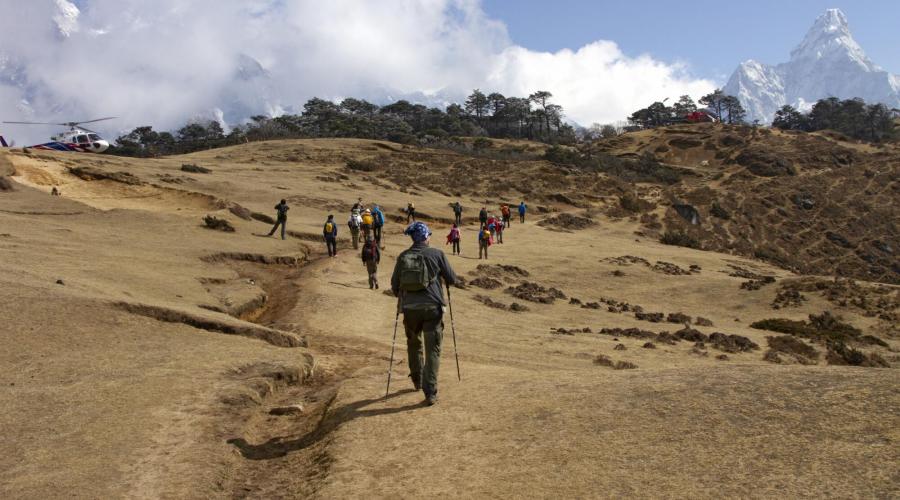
(453,238)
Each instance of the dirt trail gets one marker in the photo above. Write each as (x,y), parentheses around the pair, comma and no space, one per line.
(534,416)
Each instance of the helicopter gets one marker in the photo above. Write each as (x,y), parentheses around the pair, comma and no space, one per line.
(77,138)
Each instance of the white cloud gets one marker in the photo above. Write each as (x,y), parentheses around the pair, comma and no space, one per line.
(166,61)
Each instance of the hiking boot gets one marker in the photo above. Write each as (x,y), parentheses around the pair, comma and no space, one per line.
(376,286)
(431,400)
(417,383)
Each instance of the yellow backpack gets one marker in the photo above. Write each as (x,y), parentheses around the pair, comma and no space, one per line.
(329,227)
(368,219)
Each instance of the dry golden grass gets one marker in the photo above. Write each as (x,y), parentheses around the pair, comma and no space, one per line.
(170,395)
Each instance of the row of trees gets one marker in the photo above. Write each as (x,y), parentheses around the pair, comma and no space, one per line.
(851,117)
(726,108)
(534,117)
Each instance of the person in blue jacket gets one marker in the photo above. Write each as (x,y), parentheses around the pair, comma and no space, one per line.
(379,224)
(522,208)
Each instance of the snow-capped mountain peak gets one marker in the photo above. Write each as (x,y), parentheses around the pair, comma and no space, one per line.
(830,37)
(828,62)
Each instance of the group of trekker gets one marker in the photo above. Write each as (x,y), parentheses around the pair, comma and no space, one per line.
(419,276)
(490,227)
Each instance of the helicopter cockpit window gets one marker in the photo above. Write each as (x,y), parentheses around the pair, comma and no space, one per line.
(81,139)
(94,137)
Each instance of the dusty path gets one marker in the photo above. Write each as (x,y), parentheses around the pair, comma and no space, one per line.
(534,416)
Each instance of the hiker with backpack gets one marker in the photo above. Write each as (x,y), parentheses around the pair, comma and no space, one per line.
(417,282)
(453,239)
(498,230)
(371,256)
(410,212)
(491,225)
(483,217)
(368,222)
(282,209)
(379,224)
(522,208)
(329,232)
(354,222)
(457,213)
(504,214)
(484,241)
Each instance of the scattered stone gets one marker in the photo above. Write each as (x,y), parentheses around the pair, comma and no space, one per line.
(533,292)
(490,302)
(757,284)
(701,321)
(604,360)
(651,317)
(722,357)
(218,224)
(649,345)
(678,317)
(486,283)
(516,307)
(591,305)
(574,301)
(667,338)
(691,335)
(669,268)
(732,343)
(629,332)
(626,260)
(500,271)
(60,282)
(788,298)
(620,347)
(618,273)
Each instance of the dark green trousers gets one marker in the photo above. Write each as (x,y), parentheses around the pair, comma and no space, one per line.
(424,324)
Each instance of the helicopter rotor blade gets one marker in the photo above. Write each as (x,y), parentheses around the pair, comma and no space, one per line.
(97,120)
(89,130)
(36,123)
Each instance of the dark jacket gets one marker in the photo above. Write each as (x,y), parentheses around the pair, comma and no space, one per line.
(376,253)
(333,233)
(457,209)
(282,209)
(433,295)
(482,215)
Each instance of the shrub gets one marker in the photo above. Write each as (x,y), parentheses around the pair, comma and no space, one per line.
(482,143)
(361,165)
(679,238)
(195,169)
(716,210)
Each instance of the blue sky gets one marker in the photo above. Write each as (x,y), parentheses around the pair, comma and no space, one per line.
(711,36)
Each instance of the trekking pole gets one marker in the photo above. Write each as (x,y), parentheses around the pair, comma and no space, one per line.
(453,329)
(393,344)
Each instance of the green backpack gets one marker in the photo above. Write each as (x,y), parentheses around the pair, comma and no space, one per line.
(414,273)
